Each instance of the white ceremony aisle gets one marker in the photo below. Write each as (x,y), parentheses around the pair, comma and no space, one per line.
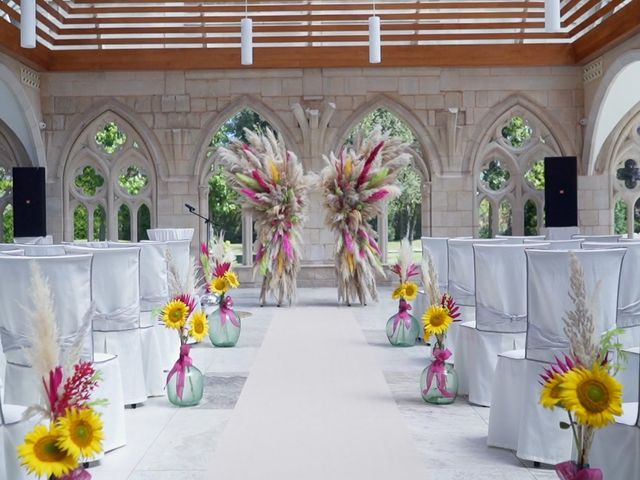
(311,392)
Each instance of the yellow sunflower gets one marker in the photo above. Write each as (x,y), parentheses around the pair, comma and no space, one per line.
(80,432)
(199,326)
(399,292)
(219,285)
(550,394)
(593,395)
(174,314)
(42,456)
(436,321)
(410,291)
(232,278)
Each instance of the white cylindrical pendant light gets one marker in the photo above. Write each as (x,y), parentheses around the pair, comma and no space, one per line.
(552,15)
(375,54)
(28,23)
(246,30)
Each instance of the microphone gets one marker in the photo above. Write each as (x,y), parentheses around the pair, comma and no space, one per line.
(189,207)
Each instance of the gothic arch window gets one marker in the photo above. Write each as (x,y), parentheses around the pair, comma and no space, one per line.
(109,183)
(402,216)
(217,197)
(625,166)
(509,175)
(12,154)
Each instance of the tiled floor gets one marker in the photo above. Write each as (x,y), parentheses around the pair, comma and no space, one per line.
(169,443)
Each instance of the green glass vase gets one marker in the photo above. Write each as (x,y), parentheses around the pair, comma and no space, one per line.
(439,383)
(403,328)
(224,327)
(192,391)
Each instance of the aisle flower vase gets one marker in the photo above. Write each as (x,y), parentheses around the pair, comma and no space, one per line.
(571,471)
(185,383)
(439,381)
(403,328)
(225,326)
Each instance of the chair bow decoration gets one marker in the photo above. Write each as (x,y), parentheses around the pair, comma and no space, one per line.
(180,368)
(402,315)
(226,311)
(570,471)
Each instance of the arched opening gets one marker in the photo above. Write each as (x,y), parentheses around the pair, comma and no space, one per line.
(620,217)
(485,215)
(222,201)
(109,172)
(403,215)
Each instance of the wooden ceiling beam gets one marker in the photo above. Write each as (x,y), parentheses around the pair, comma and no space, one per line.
(318,57)
(611,32)
(37,58)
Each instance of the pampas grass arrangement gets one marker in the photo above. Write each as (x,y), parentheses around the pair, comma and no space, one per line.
(272,186)
(354,183)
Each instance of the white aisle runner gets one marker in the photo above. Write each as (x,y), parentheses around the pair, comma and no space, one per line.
(316,406)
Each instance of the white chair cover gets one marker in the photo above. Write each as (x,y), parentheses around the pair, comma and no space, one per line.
(616,448)
(164,234)
(548,277)
(461,271)
(18,253)
(599,238)
(574,244)
(439,249)
(41,250)
(501,315)
(12,432)
(46,240)
(70,282)
(6,247)
(153,294)
(561,233)
(515,239)
(115,289)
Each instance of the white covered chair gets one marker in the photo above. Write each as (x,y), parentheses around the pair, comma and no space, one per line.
(517,421)
(12,432)
(628,316)
(153,295)
(439,249)
(548,277)
(501,315)
(46,240)
(598,238)
(571,244)
(115,288)
(69,278)
(562,233)
(165,234)
(38,250)
(616,448)
(518,239)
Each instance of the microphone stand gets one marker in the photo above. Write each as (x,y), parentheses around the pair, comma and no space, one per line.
(207,221)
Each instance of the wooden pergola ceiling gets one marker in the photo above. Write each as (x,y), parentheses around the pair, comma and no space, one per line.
(100,34)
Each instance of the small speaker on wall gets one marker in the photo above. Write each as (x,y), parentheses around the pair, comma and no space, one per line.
(561,191)
(29,202)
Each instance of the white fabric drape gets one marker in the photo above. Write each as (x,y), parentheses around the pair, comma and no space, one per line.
(516,240)
(561,233)
(574,244)
(164,234)
(12,432)
(439,249)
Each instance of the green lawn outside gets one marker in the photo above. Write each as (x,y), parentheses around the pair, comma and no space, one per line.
(392,251)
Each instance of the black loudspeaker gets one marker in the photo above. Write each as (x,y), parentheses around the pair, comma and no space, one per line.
(29,202)
(561,191)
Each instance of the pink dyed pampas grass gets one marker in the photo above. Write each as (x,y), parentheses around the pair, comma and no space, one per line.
(273,187)
(354,184)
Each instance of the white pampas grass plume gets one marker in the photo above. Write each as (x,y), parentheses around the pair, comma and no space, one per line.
(405,259)
(43,354)
(220,252)
(430,278)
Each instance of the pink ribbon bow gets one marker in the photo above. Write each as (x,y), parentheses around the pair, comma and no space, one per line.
(402,315)
(180,367)
(226,310)
(437,370)
(77,474)
(570,471)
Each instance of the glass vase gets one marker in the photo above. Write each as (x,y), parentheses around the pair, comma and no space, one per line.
(439,383)
(403,329)
(224,327)
(571,471)
(192,391)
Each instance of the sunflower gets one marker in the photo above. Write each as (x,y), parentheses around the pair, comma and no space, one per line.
(550,395)
(436,321)
(232,278)
(41,454)
(593,395)
(80,432)
(410,291)
(199,326)
(399,292)
(175,314)
(219,285)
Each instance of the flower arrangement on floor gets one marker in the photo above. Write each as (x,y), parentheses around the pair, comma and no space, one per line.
(181,313)
(439,382)
(217,262)
(73,432)
(582,383)
(403,328)
(273,187)
(354,184)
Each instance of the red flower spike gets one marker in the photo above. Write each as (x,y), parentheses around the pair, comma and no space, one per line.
(204,249)
(77,389)
(189,301)
(221,268)
(51,388)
